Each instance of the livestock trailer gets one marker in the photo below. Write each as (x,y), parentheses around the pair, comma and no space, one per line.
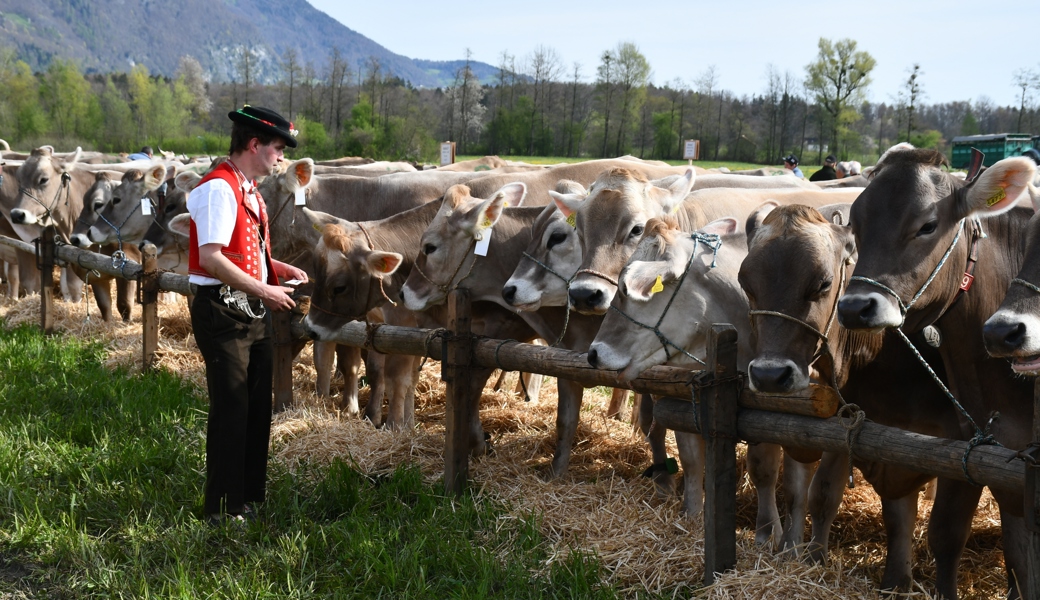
(996,146)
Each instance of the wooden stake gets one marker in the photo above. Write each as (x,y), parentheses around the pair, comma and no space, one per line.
(455,373)
(149,307)
(719,410)
(281,322)
(45,261)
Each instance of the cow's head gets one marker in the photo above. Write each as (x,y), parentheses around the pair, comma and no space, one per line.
(705,295)
(349,275)
(610,220)
(905,222)
(446,251)
(98,196)
(1014,330)
(554,245)
(797,265)
(44,189)
(134,206)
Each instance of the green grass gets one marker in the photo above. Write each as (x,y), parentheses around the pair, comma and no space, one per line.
(100,477)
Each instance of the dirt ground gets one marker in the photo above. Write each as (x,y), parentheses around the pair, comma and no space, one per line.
(602,505)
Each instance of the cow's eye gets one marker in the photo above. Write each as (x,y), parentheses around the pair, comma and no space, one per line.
(429,249)
(98,206)
(116,200)
(43,181)
(824,287)
(339,289)
(556,238)
(928,228)
(636,231)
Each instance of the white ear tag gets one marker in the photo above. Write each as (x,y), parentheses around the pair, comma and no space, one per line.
(146,206)
(481,249)
(301,198)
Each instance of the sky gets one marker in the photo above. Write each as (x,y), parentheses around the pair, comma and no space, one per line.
(967,50)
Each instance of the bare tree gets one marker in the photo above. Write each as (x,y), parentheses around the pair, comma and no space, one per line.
(913,95)
(246,66)
(1024,79)
(292,69)
(605,83)
(190,71)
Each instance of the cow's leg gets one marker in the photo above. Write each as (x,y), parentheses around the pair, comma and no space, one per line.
(568,413)
(402,375)
(763,467)
(324,359)
(900,516)
(101,288)
(796,491)
(691,454)
(71,286)
(348,360)
(478,379)
(125,292)
(375,367)
(533,383)
(28,275)
(1015,541)
(617,403)
(664,482)
(825,494)
(948,530)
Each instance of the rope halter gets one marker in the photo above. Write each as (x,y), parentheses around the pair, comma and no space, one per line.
(448,287)
(712,241)
(66,179)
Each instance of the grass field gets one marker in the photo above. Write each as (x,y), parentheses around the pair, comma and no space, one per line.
(100,475)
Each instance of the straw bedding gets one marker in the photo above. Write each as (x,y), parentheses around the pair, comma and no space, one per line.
(602,505)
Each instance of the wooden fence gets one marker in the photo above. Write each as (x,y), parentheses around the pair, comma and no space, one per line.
(711,402)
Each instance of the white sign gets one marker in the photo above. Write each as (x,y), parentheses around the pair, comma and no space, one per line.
(146,206)
(301,197)
(447,155)
(690,149)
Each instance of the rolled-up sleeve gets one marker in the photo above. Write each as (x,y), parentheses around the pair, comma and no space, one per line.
(213,208)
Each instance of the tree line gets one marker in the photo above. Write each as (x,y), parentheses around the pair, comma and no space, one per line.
(536,105)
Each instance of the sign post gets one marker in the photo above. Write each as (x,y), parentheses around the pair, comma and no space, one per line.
(447,153)
(692,150)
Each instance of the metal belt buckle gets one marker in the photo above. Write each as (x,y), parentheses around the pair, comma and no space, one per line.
(239,300)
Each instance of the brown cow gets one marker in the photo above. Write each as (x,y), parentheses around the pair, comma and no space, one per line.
(797,266)
(915,234)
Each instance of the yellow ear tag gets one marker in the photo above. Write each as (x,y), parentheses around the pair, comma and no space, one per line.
(675,208)
(996,197)
(658,286)
(317,227)
(572,220)
(486,222)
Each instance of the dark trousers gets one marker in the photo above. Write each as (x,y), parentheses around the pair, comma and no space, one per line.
(239,357)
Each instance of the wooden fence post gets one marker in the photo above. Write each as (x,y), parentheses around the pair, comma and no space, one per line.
(149,307)
(455,373)
(45,258)
(281,323)
(719,426)
(1032,505)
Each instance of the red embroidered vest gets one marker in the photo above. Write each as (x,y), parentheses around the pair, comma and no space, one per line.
(244,248)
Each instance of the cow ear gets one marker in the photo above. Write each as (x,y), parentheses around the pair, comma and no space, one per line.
(181,224)
(489,211)
(671,197)
(383,263)
(187,181)
(999,187)
(568,204)
(720,227)
(754,220)
(300,174)
(320,219)
(843,235)
(154,177)
(642,279)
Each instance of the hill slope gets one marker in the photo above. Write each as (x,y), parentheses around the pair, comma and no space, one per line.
(114,35)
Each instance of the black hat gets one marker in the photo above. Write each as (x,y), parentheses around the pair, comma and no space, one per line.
(265,119)
(1034,154)
(830,160)
(790,158)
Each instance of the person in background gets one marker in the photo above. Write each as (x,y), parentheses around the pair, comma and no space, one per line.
(826,172)
(791,164)
(855,168)
(843,169)
(144,154)
(237,283)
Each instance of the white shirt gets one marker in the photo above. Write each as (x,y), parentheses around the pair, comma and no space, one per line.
(213,208)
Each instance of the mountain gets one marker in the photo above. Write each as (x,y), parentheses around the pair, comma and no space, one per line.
(114,35)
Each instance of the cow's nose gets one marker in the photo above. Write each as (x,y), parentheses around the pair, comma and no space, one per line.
(857,312)
(593,357)
(1004,337)
(509,293)
(400,294)
(774,376)
(586,298)
(18,217)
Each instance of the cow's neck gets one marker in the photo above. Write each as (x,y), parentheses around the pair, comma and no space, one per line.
(401,233)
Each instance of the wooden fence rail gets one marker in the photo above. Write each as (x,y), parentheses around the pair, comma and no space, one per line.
(711,402)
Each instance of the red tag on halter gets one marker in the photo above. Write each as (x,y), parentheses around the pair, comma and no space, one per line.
(966,282)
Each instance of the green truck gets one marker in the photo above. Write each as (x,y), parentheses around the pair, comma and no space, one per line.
(996,146)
